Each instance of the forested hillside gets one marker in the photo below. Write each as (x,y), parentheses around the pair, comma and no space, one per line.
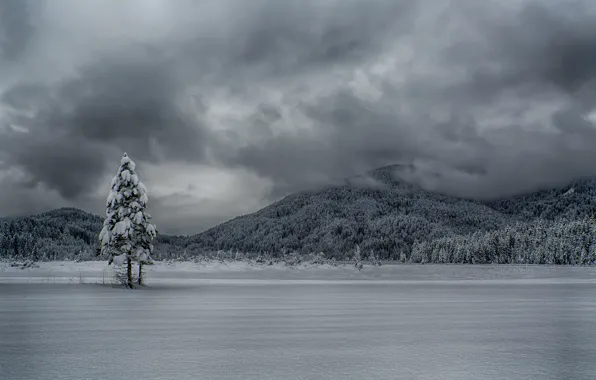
(398,221)
(390,219)
(65,233)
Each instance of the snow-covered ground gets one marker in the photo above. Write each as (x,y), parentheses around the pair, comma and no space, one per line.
(238,321)
(173,273)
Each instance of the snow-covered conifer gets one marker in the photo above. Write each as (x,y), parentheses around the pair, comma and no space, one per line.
(127,232)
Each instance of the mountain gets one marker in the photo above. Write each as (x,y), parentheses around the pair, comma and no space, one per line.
(395,220)
(64,233)
(387,218)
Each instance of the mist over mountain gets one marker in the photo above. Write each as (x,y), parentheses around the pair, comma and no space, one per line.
(386,217)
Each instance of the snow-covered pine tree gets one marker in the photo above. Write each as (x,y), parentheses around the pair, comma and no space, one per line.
(127,232)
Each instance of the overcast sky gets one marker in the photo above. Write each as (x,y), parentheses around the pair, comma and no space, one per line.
(226,105)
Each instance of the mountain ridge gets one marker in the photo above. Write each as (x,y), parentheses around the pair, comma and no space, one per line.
(384,216)
(408,214)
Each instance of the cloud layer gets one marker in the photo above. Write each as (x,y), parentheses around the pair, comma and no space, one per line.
(483,99)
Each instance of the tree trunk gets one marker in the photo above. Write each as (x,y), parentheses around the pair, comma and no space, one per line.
(129,273)
(140,282)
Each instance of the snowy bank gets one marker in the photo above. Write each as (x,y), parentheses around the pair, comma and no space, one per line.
(94,272)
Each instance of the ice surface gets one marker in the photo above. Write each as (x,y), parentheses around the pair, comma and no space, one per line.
(236,321)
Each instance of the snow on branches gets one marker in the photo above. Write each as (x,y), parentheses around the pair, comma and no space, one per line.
(127,231)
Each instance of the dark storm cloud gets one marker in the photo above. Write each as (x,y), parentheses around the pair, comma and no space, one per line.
(481,99)
(15,28)
(569,51)
(49,160)
(116,101)
(341,144)
(543,53)
(296,34)
(548,44)
(132,103)
(130,99)
(127,105)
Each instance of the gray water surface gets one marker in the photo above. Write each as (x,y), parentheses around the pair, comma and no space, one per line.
(292,331)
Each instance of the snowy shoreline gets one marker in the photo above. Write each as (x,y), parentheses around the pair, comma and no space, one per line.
(250,273)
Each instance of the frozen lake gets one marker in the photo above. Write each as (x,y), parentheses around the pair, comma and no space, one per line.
(407,322)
